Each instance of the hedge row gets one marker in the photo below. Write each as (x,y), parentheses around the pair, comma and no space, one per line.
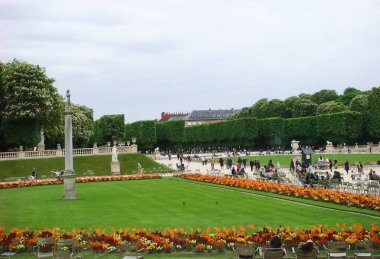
(344,127)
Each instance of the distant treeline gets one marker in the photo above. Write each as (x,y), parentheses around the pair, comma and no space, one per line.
(348,118)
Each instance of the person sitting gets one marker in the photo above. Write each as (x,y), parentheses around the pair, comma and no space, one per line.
(337,175)
(242,172)
(275,242)
(274,175)
(306,247)
(270,165)
(373,176)
(33,175)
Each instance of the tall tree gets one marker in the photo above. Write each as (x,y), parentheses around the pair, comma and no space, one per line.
(109,128)
(349,94)
(83,122)
(374,113)
(331,107)
(304,107)
(324,95)
(30,102)
(2,104)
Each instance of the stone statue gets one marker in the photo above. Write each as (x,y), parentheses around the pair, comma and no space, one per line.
(68,97)
(329,142)
(139,168)
(41,137)
(114,154)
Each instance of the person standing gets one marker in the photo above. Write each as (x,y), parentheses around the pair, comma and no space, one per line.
(335,163)
(292,167)
(346,166)
(330,165)
(221,162)
(251,164)
(238,166)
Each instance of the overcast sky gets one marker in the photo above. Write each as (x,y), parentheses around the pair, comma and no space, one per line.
(143,57)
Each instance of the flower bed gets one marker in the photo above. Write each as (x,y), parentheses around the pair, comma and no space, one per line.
(178,240)
(358,200)
(84,179)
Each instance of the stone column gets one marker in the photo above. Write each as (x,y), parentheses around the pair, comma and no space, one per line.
(69,175)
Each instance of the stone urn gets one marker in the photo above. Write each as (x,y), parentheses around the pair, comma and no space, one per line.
(295,145)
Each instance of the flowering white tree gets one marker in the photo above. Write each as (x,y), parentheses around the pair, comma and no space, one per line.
(30,103)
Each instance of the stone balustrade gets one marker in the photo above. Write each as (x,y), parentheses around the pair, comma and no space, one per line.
(61,152)
(374,148)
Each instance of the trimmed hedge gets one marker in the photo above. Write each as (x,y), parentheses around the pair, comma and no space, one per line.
(302,129)
(271,131)
(170,134)
(232,132)
(343,127)
(144,131)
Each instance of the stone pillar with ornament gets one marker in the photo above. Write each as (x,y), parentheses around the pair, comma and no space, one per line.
(69,174)
(134,146)
(329,147)
(296,153)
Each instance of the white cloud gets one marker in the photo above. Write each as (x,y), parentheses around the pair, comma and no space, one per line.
(144,57)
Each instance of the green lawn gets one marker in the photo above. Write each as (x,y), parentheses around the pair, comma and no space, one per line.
(100,165)
(285,159)
(157,204)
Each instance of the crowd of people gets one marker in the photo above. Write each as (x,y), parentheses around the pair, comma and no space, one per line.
(322,172)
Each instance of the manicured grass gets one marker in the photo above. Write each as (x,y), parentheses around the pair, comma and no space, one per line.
(157,204)
(285,159)
(100,165)
(324,204)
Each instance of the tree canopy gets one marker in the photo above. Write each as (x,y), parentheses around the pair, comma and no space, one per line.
(29,101)
(109,128)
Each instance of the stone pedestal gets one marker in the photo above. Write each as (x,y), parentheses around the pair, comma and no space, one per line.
(297,157)
(69,185)
(134,148)
(40,147)
(59,153)
(21,154)
(115,168)
(329,148)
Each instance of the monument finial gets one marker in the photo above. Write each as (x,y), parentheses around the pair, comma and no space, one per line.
(68,97)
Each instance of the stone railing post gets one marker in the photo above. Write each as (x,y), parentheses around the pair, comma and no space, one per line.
(133,148)
(21,154)
(95,150)
(59,152)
